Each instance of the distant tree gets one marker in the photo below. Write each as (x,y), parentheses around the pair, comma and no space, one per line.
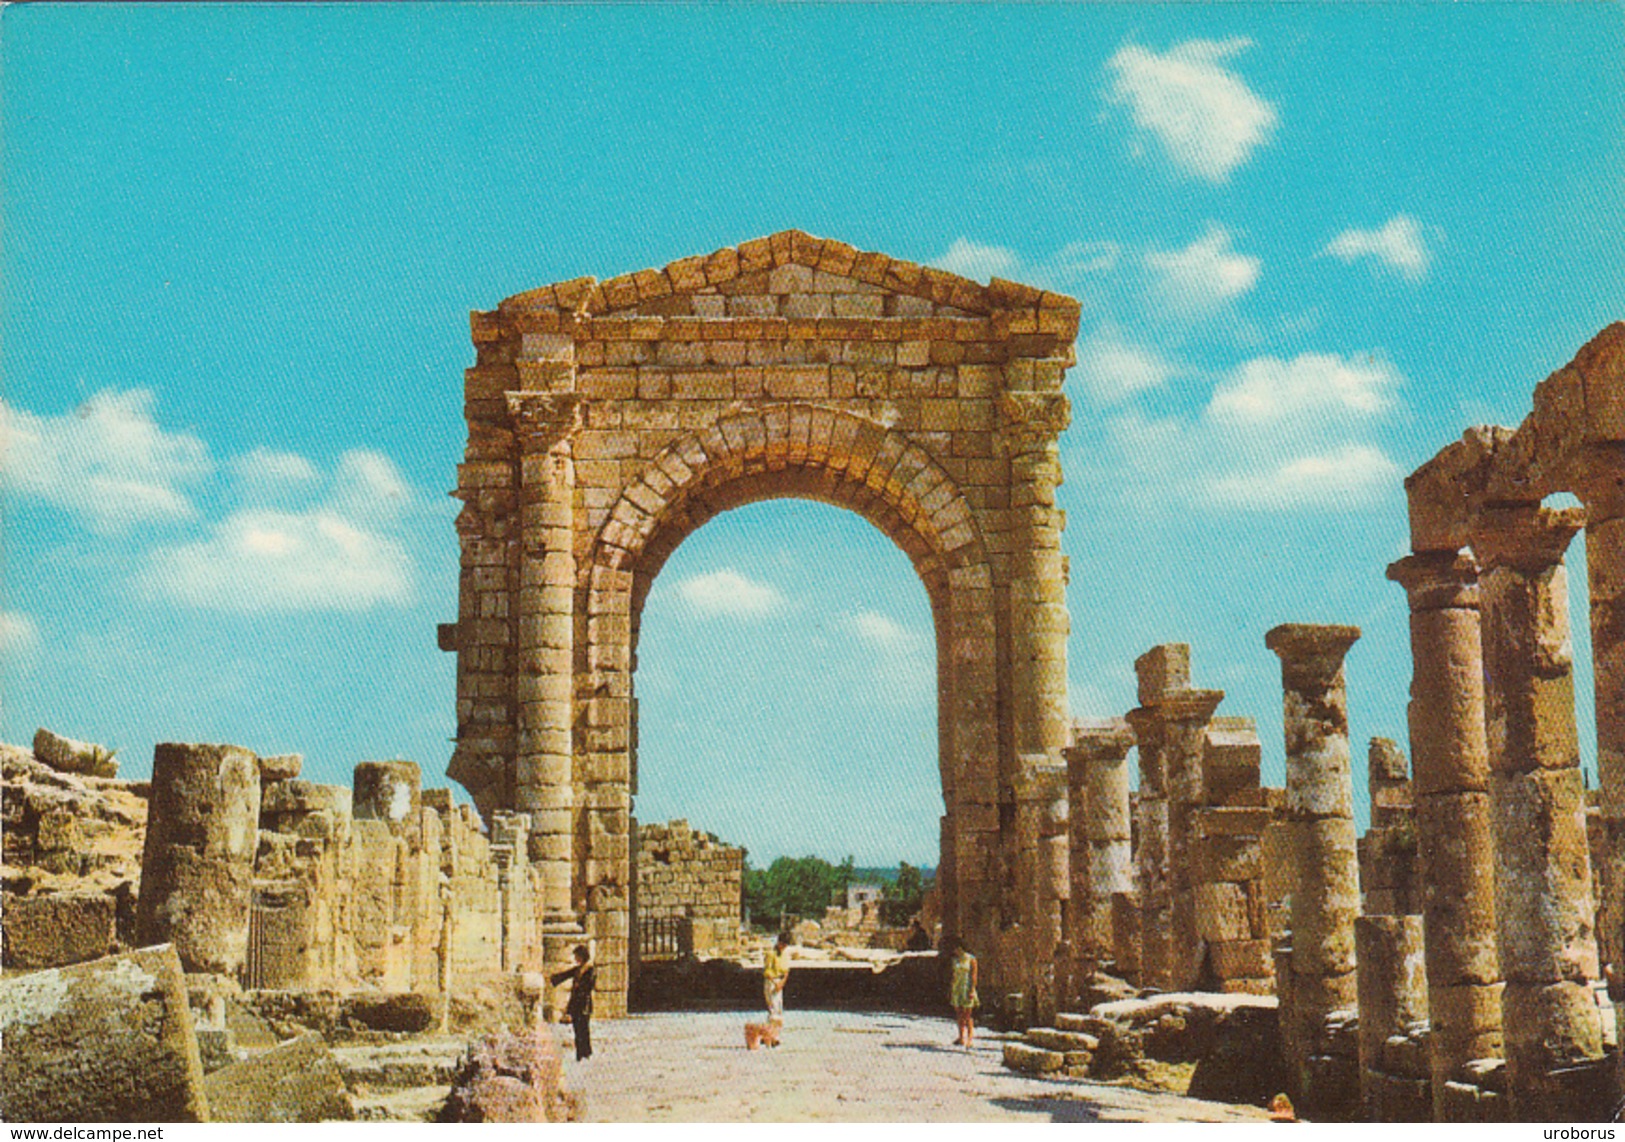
(903,896)
(802,887)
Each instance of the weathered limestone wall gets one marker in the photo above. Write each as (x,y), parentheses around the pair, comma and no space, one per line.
(686,873)
(607,421)
(385,887)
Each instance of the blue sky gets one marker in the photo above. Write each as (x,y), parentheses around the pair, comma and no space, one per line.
(1313,243)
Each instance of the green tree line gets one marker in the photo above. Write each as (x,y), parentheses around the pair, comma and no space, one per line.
(804,886)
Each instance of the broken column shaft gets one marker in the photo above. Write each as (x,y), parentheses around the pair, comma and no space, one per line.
(1101,856)
(197,864)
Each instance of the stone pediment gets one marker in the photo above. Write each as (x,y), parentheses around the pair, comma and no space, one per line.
(794,275)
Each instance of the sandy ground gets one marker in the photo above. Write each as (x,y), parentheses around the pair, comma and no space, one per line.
(838,1067)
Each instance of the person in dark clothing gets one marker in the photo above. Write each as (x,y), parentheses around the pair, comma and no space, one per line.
(919,940)
(579,1009)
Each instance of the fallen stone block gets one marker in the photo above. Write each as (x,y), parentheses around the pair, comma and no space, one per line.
(1054,1040)
(1032,1060)
(60,929)
(299,1081)
(398,1011)
(105,1041)
(510,1077)
(68,756)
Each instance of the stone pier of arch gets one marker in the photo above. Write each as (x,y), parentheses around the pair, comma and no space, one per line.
(609,420)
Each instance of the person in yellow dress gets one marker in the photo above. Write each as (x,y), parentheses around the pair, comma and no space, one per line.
(962,992)
(775,974)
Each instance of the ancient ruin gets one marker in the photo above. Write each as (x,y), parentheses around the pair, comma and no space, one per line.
(232,929)
(609,420)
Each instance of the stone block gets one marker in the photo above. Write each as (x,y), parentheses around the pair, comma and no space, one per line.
(1250,821)
(1053,1039)
(1162,670)
(68,756)
(60,929)
(1221,912)
(1227,859)
(1032,1060)
(105,1041)
(280,767)
(1241,959)
(299,1081)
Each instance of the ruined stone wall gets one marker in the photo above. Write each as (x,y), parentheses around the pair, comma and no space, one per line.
(682,872)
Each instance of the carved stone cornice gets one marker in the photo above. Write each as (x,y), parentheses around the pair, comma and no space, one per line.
(1033,418)
(543,420)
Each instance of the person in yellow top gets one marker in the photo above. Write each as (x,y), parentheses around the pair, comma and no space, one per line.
(775,973)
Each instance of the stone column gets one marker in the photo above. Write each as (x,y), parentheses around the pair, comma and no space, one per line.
(543,778)
(1151,856)
(1041,826)
(1326,892)
(197,864)
(1543,898)
(1030,427)
(1102,860)
(1393,997)
(1185,717)
(1602,487)
(1450,786)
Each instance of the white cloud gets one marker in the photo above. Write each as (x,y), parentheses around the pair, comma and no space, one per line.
(1078,259)
(1205,274)
(1275,436)
(1348,476)
(268,464)
(1111,370)
(874,627)
(334,554)
(19,635)
(973,260)
(107,461)
(727,592)
(1270,391)
(367,483)
(1399,245)
(1204,114)
(257,561)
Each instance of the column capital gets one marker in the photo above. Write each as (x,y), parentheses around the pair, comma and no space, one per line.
(1030,420)
(1100,739)
(1438,580)
(1146,722)
(1524,537)
(1312,647)
(543,420)
(1188,706)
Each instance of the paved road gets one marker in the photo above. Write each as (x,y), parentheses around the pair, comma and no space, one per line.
(838,1067)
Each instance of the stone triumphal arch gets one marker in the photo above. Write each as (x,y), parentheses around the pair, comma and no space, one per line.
(609,420)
